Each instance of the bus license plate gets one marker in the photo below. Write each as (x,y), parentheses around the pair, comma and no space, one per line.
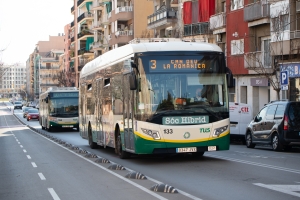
(212,148)
(185,150)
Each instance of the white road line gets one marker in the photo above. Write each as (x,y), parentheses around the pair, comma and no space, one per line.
(33,164)
(53,194)
(19,142)
(256,164)
(28,156)
(42,177)
(21,146)
(24,150)
(287,189)
(113,173)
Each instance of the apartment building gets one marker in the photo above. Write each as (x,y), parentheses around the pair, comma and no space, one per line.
(102,25)
(13,80)
(46,61)
(30,77)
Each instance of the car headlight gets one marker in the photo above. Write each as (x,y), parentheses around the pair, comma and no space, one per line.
(219,131)
(152,133)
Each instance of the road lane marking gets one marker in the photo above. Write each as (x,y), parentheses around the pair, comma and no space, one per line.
(33,164)
(19,142)
(120,176)
(113,173)
(42,177)
(256,164)
(28,156)
(24,150)
(53,194)
(287,189)
(21,146)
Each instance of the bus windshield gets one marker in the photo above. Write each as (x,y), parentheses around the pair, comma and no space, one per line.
(67,107)
(169,87)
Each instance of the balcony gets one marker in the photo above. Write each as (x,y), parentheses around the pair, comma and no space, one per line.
(72,9)
(257,59)
(97,25)
(97,46)
(79,2)
(295,34)
(121,37)
(97,5)
(85,15)
(217,21)
(124,33)
(83,51)
(164,18)
(196,29)
(72,24)
(122,13)
(84,34)
(257,11)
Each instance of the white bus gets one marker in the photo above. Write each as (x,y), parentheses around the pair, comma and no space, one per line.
(58,108)
(156,98)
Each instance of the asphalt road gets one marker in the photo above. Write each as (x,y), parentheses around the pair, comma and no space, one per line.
(239,173)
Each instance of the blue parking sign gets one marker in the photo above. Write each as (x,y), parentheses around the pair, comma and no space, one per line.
(284,79)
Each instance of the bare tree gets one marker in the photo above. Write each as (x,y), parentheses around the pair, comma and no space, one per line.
(64,78)
(262,63)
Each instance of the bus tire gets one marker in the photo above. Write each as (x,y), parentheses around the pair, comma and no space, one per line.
(122,154)
(92,144)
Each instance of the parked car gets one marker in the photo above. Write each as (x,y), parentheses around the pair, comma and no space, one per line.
(277,124)
(18,105)
(33,114)
(25,111)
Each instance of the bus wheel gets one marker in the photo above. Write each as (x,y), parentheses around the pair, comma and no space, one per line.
(122,154)
(92,144)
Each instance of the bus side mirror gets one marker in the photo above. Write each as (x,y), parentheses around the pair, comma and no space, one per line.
(46,100)
(229,78)
(132,82)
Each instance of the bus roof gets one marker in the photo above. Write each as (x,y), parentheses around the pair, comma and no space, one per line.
(127,51)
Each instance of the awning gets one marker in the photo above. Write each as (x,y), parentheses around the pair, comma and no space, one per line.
(88,6)
(108,6)
(89,41)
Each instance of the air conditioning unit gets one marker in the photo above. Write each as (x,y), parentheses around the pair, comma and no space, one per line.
(297,6)
(219,38)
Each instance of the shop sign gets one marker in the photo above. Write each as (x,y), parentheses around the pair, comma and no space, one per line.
(259,82)
(293,69)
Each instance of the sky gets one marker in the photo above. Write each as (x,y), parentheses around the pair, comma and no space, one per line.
(25,22)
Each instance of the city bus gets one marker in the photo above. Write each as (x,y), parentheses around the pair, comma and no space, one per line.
(144,98)
(58,108)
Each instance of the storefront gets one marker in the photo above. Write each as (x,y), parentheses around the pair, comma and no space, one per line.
(293,70)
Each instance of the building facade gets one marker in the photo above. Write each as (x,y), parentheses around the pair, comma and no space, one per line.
(13,80)
(102,25)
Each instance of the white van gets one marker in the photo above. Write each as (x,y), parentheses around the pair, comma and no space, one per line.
(240,115)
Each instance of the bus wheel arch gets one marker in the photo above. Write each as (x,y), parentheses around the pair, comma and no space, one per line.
(92,144)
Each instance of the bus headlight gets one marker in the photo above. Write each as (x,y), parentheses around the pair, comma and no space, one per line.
(53,119)
(152,133)
(219,131)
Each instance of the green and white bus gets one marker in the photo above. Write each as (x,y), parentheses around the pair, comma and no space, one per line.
(58,108)
(144,98)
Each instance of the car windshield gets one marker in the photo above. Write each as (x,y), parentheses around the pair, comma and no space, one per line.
(33,111)
(26,109)
(18,102)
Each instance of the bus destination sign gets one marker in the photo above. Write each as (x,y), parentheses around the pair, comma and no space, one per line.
(175,65)
(64,94)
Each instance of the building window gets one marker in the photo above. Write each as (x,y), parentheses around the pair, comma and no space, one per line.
(237,47)
(237,4)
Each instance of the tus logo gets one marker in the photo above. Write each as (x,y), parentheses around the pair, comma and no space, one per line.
(204,130)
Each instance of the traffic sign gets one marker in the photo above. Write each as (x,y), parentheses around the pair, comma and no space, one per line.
(284,87)
(284,79)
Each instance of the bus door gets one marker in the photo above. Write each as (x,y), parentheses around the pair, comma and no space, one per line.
(128,115)
(100,135)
